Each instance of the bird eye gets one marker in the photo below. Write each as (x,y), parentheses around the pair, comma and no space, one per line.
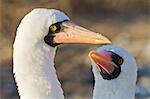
(53,27)
(120,61)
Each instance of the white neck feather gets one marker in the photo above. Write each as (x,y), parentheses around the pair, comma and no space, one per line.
(114,89)
(33,59)
(34,71)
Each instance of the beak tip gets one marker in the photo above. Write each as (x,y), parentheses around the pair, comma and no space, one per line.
(103,40)
(107,40)
(91,53)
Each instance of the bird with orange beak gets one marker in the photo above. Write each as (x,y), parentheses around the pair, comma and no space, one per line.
(67,32)
(115,72)
(37,38)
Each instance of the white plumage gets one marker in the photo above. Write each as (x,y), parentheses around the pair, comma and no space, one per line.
(122,87)
(33,59)
(35,45)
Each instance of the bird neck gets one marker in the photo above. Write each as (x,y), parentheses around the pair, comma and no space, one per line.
(35,73)
(112,89)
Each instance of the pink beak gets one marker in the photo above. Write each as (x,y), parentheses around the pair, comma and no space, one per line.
(103,60)
(73,33)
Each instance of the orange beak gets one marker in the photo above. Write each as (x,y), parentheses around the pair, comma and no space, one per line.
(73,33)
(103,60)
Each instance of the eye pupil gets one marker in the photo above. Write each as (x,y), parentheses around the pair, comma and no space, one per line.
(53,28)
(120,61)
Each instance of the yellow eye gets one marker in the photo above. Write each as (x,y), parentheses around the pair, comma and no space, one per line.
(120,61)
(53,27)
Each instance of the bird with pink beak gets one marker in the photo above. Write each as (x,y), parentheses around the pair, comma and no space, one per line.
(37,38)
(115,73)
(67,32)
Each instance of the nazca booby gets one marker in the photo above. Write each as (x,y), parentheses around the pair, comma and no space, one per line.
(37,37)
(115,73)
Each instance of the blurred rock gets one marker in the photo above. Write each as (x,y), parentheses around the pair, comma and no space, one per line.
(141,92)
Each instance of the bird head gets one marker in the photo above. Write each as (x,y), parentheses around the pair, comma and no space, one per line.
(54,28)
(113,62)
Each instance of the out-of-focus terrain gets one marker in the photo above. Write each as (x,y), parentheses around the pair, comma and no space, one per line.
(125,22)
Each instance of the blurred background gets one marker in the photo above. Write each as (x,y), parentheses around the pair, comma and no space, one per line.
(125,22)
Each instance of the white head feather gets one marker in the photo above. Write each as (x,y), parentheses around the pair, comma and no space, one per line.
(33,59)
(122,87)
(33,54)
